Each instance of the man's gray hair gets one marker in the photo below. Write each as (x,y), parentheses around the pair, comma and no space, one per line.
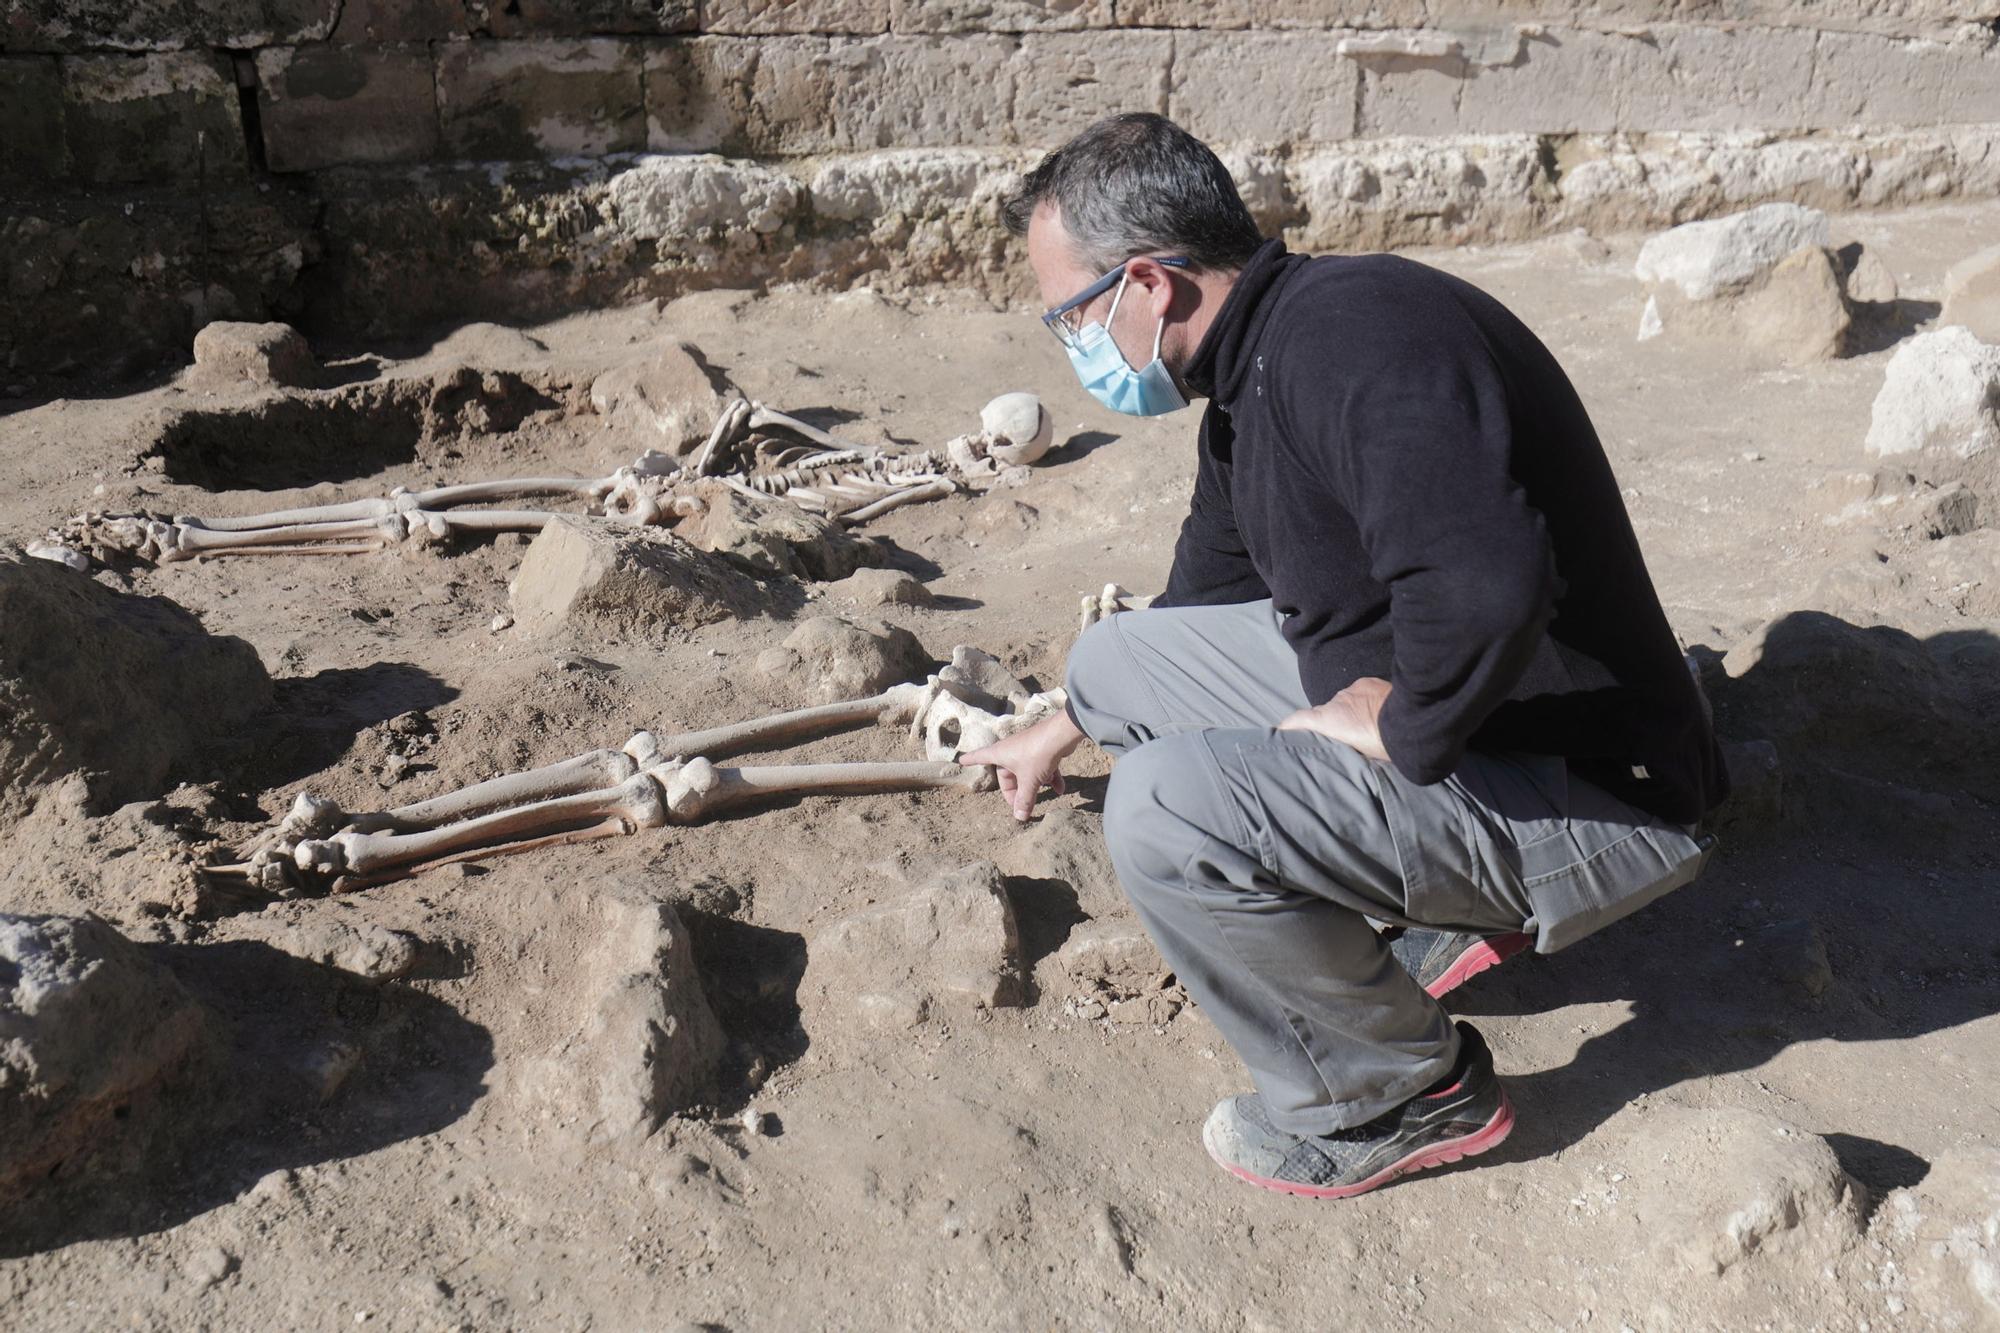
(1137,184)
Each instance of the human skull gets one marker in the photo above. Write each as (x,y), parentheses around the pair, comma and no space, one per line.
(1020,429)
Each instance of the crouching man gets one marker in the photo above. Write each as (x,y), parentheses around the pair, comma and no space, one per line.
(1409,702)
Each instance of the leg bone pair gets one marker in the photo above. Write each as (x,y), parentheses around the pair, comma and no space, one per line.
(652,781)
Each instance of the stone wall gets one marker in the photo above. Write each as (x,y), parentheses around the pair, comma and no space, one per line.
(374,166)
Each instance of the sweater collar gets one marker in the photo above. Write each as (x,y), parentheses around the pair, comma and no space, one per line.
(1218,367)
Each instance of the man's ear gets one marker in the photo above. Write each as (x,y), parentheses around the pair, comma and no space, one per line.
(1153,281)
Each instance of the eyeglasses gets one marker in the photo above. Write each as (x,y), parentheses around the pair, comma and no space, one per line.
(1060,319)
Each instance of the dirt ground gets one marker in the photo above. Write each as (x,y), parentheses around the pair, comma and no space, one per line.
(1029,1167)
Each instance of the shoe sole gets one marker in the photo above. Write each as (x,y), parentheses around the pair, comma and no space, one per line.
(1487,953)
(1488,1136)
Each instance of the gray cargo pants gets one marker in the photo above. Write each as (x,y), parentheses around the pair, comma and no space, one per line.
(1256,858)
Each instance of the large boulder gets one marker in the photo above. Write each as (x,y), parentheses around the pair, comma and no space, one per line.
(88,1023)
(1972,295)
(667,401)
(1938,412)
(1762,282)
(121,688)
(588,575)
(1721,256)
(952,945)
(643,1043)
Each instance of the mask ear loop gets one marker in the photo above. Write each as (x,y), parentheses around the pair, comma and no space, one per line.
(1116,297)
(1159,332)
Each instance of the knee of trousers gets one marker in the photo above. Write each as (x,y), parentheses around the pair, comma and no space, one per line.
(1162,805)
(1096,677)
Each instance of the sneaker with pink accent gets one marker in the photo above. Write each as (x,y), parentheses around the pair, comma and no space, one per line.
(1444,960)
(1467,1116)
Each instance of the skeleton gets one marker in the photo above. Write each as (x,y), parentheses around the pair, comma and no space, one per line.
(752,448)
(649,782)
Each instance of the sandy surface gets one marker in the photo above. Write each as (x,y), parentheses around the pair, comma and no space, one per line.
(1016,1167)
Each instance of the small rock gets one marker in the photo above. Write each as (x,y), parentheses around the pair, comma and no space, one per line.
(1113,957)
(501,622)
(1972,295)
(767,535)
(271,354)
(208,1266)
(1756,786)
(882,587)
(838,658)
(361,949)
(1791,954)
(593,574)
(1952,510)
(1867,279)
(755,1122)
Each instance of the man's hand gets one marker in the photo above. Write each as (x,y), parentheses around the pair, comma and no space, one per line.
(1028,761)
(1350,717)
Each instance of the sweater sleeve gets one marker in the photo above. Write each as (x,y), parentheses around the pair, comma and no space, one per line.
(1211,564)
(1420,449)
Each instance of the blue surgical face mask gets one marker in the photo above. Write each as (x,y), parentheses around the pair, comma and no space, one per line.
(1110,379)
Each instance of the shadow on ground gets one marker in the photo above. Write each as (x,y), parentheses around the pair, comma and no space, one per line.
(1859,917)
(313,719)
(304,1064)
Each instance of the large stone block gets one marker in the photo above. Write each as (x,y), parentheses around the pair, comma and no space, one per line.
(323,106)
(585,18)
(857,17)
(534,98)
(152,117)
(163,25)
(1222,90)
(1935,19)
(816,94)
(31,131)
(371,22)
(1563,80)
(999,15)
(1866,80)
(1064,81)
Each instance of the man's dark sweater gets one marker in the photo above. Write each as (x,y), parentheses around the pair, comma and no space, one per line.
(1403,468)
